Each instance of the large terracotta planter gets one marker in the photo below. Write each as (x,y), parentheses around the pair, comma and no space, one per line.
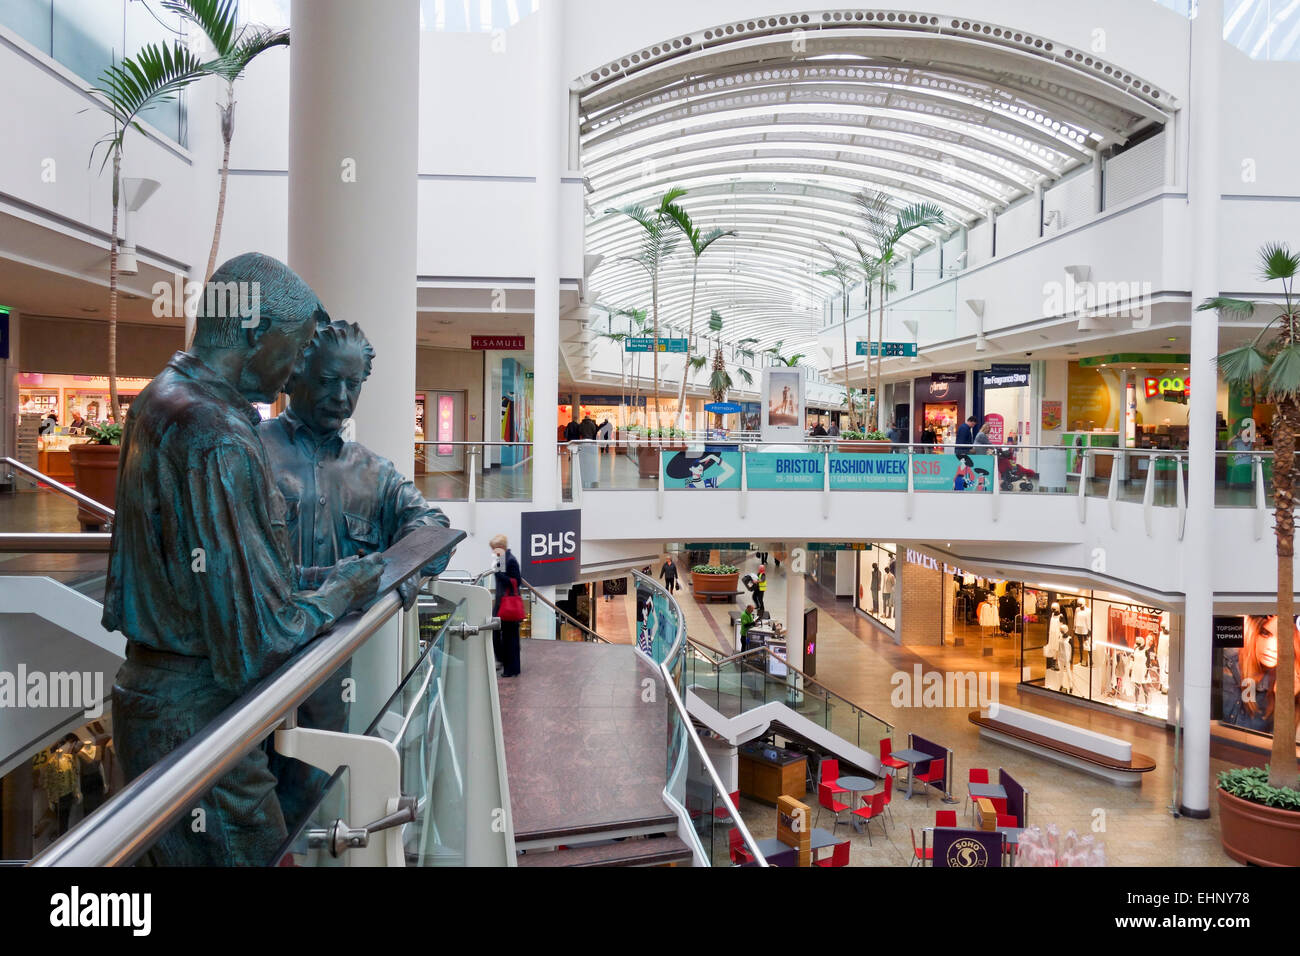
(876,447)
(1254,833)
(709,585)
(94,470)
(647,456)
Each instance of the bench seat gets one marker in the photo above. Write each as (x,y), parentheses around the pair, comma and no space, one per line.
(1107,757)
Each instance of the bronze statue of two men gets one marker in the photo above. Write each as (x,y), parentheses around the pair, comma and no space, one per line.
(236,542)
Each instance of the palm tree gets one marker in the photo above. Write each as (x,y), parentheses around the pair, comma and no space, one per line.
(841,271)
(699,245)
(777,357)
(1272,360)
(152,76)
(887,230)
(657,245)
(720,381)
(235,47)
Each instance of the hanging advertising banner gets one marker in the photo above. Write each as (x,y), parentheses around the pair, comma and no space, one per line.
(700,468)
(783,405)
(966,849)
(806,471)
(1051,417)
(1246,650)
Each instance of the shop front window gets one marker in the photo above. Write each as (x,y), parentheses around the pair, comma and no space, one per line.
(877,578)
(1245,670)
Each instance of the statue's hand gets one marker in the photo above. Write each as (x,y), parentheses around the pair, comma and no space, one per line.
(409,590)
(358,579)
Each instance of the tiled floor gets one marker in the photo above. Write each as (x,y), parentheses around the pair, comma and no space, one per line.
(857,661)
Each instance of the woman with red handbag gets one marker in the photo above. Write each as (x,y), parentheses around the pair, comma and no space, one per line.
(509,606)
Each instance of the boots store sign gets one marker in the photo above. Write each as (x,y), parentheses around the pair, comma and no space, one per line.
(551,542)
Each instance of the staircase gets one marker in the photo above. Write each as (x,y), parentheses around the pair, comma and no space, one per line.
(585,756)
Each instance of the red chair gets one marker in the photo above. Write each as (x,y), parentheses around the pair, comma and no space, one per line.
(999,804)
(830,772)
(931,776)
(826,800)
(736,846)
(945,818)
(1007,820)
(976,776)
(887,748)
(917,856)
(889,795)
(873,806)
(839,856)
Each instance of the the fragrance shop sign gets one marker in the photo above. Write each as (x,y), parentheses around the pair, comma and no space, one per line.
(551,542)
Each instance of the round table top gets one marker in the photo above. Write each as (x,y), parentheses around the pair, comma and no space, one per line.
(856,784)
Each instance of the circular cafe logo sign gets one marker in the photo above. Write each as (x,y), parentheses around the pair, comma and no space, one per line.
(967,853)
(938,389)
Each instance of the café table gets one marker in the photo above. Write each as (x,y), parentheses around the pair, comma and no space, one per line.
(912,757)
(818,839)
(990,791)
(855,785)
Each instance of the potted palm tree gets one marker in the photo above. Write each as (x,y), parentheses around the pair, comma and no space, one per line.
(94,466)
(1259,809)
(235,46)
(887,229)
(700,244)
(658,241)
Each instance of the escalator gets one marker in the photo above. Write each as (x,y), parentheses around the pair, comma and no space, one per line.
(750,695)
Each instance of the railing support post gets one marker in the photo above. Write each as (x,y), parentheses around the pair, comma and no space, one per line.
(1083,485)
(997,490)
(1261,501)
(471,465)
(1149,492)
(910,501)
(744,480)
(1118,463)
(826,482)
(1182,500)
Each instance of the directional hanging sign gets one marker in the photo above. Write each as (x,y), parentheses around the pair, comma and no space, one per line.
(647,344)
(839,546)
(723,408)
(891,349)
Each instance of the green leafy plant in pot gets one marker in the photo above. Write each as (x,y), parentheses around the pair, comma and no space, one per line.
(94,469)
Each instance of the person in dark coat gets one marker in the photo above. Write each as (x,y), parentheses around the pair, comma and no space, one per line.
(669,573)
(505,642)
(965,438)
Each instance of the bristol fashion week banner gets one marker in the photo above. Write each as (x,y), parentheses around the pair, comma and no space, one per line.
(805,471)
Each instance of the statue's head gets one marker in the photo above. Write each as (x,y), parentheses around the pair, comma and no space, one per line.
(259,306)
(324,389)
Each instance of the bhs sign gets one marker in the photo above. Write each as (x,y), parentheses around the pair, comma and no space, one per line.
(551,546)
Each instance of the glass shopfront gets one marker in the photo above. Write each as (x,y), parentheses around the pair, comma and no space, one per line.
(877,574)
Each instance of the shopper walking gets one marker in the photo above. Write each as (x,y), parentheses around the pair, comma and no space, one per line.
(505,571)
(669,574)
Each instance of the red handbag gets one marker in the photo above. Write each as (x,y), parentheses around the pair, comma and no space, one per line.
(512,605)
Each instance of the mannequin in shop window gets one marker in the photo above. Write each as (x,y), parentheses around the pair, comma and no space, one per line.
(887,596)
(1137,673)
(1083,630)
(61,781)
(1008,611)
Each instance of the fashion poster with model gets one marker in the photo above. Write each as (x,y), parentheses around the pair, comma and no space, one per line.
(783,405)
(1248,677)
(709,469)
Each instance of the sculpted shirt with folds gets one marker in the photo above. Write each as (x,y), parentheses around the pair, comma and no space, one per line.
(342,499)
(194,475)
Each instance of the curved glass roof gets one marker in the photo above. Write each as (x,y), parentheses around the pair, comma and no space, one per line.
(773,126)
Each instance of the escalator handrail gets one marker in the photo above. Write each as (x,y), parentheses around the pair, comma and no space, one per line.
(42,478)
(767,651)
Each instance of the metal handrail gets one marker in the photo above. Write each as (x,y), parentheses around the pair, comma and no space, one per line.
(812,680)
(42,478)
(130,822)
(688,724)
(565,614)
(41,542)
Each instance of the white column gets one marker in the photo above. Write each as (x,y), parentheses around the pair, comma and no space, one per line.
(794,601)
(1198,540)
(354,77)
(354,74)
(552,105)
(9,397)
